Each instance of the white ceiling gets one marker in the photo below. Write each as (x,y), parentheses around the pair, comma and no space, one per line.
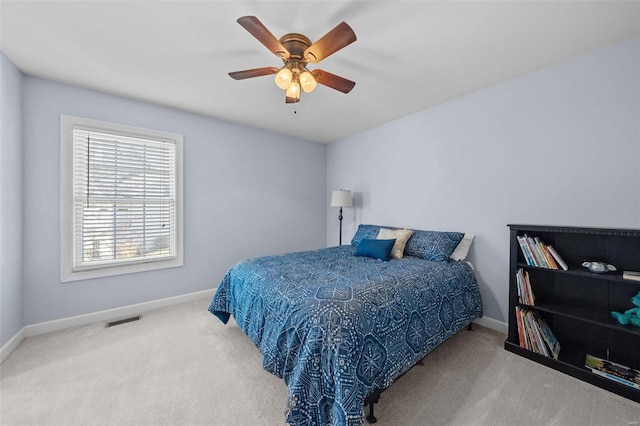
(409,56)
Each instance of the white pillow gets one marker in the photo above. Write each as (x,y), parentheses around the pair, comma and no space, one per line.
(400,235)
(462,249)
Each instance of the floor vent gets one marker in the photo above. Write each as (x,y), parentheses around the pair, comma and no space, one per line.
(123,321)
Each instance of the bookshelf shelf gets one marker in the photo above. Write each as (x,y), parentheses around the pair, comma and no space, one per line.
(578,372)
(576,303)
(582,272)
(597,318)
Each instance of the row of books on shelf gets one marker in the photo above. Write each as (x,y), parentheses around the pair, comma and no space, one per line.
(525,293)
(613,371)
(539,254)
(535,334)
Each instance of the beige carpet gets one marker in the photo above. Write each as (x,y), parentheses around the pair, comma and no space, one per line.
(181,366)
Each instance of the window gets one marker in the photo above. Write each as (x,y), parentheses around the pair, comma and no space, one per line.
(121,199)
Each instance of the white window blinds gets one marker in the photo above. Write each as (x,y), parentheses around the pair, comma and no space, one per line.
(124,199)
(120,199)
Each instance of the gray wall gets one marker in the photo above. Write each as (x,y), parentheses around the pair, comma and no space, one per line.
(247,192)
(11,290)
(558,146)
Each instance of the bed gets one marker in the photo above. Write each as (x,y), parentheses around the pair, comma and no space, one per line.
(338,326)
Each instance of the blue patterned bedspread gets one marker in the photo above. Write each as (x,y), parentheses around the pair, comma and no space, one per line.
(335,326)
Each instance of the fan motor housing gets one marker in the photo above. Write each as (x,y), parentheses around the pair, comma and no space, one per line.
(296,44)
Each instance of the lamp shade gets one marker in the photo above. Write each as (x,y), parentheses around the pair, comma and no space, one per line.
(341,198)
(283,78)
(307,82)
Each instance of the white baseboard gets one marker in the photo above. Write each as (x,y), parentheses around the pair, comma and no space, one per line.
(100,316)
(499,326)
(12,344)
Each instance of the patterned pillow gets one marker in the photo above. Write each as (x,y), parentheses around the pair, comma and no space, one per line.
(370,232)
(400,235)
(433,245)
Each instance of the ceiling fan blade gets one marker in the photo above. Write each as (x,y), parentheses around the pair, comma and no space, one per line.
(342,35)
(334,81)
(256,72)
(264,36)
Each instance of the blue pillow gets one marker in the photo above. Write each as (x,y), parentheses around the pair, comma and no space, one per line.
(376,249)
(433,245)
(369,232)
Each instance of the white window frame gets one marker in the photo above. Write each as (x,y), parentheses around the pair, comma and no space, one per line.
(67,125)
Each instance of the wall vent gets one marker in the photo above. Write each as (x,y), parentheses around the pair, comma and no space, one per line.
(123,321)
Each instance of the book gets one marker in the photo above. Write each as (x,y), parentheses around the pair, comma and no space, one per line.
(519,287)
(521,333)
(549,338)
(536,256)
(558,259)
(537,244)
(527,287)
(552,263)
(540,345)
(525,293)
(525,251)
(631,275)
(613,371)
(531,338)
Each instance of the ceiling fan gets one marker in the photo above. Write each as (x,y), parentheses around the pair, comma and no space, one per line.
(296,51)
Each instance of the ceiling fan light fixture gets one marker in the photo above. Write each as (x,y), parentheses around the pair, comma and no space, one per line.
(307,82)
(293,91)
(283,78)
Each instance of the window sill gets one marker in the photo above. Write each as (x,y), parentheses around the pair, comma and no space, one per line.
(69,275)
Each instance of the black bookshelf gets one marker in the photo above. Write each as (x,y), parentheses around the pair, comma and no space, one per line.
(576,304)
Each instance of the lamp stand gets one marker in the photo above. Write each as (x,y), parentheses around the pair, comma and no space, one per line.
(341,198)
(340,219)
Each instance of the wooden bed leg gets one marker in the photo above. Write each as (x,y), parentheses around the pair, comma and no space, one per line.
(469,328)
(370,417)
